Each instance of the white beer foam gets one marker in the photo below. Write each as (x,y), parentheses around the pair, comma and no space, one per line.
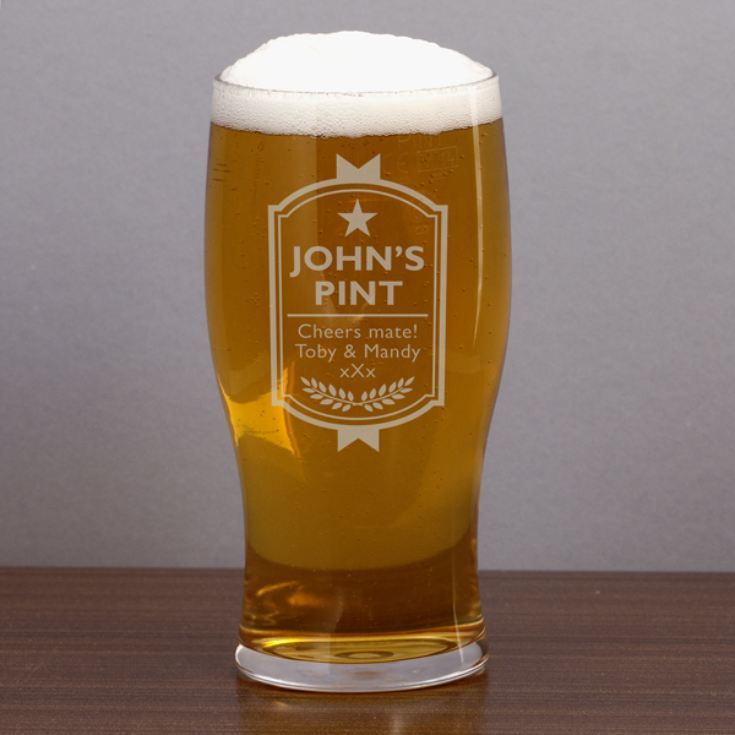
(353,83)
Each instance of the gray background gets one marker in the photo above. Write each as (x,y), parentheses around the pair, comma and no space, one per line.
(612,445)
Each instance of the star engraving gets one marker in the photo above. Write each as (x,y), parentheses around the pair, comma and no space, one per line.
(357,219)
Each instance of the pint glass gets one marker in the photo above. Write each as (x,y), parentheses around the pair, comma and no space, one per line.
(358,288)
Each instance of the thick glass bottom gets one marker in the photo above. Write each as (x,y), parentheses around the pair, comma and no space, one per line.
(405,673)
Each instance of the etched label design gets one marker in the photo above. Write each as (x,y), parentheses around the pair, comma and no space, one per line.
(357,303)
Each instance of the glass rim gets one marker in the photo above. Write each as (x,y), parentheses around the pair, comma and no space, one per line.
(361,93)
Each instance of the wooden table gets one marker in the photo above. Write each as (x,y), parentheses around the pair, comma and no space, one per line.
(133,651)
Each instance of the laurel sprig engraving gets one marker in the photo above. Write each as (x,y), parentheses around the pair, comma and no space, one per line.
(375,399)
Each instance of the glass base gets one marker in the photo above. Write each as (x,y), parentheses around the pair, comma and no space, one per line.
(415,673)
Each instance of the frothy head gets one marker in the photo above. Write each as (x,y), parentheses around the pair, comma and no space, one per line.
(352,83)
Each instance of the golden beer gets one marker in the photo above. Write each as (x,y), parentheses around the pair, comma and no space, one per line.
(358,293)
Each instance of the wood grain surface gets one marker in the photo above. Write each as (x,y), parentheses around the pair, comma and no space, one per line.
(133,651)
